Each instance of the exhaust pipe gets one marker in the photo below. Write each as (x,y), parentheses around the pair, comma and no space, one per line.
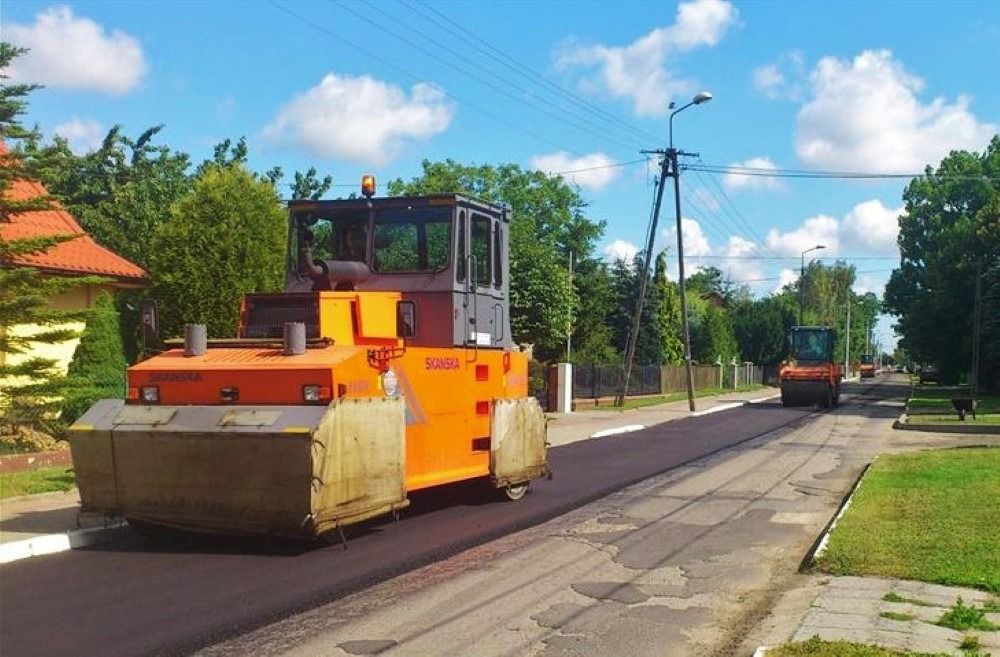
(295,339)
(195,339)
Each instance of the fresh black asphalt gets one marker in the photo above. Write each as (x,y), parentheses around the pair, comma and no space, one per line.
(136,597)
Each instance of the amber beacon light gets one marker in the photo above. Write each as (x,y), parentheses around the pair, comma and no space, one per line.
(368,186)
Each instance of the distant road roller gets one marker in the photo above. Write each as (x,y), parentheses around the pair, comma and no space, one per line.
(387,366)
(809,375)
(866,369)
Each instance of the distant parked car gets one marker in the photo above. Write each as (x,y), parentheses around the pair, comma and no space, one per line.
(928,373)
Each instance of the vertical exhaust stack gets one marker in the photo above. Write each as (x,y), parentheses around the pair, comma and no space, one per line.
(295,339)
(195,339)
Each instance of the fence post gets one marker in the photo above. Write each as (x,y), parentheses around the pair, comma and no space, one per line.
(564,387)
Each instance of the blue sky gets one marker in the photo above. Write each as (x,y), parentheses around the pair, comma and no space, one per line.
(581,87)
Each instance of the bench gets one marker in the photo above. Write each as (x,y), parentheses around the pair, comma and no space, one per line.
(964,405)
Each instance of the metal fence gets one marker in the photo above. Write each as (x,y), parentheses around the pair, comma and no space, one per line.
(601,381)
(596,381)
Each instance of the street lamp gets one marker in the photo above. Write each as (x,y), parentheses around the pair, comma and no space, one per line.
(702,97)
(802,275)
(668,167)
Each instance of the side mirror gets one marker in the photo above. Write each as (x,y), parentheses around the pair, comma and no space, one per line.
(150,324)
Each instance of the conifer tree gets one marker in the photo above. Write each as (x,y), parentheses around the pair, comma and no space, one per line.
(97,370)
(30,387)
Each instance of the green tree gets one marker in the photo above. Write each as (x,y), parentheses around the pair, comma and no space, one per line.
(668,314)
(649,343)
(592,335)
(224,239)
(950,226)
(32,386)
(760,327)
(309,185)
(548,226)
(121,193)
(97,370)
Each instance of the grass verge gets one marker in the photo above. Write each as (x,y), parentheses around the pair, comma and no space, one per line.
(816,647)
(42,480)
(929,516)
(926,399)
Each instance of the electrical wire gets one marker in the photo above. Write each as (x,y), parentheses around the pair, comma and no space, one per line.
(352,44)
(581,125)
(482,46)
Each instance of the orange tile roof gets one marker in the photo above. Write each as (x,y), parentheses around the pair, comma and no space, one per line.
(80,255)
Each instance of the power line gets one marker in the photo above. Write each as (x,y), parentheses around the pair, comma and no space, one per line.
(559,114)
(508,61)
(374,55)
(740,219)
(796,258)
(816,174)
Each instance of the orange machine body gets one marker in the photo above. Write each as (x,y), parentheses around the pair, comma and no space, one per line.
(448,392)
(810,376)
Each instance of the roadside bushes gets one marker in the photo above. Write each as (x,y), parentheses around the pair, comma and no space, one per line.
(97,370)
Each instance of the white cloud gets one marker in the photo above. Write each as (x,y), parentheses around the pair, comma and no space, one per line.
(83,135)
(871,227)
(821,229)
(737,267)
(734,181)
(768,80)
(620,250)
(865,114)
(69,52)
(865,283)
(638,71)
(360,119)
(785,277)
(782,79)
(591,172)
(695,241)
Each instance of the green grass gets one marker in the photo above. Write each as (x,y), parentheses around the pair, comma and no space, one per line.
(640,402)
(895,597)
(897,616)
(929,516)
(939,397)
(42,480)
(964,617)
(816,647)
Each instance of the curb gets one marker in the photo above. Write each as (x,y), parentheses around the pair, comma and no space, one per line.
(55,543)
(986,430)
(821,546)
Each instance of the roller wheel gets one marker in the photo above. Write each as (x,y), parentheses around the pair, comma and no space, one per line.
(515,492)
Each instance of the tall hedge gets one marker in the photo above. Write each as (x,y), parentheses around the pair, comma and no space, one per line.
(97,370)
(224,239)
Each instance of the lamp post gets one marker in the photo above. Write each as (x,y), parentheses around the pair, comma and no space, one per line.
(668,167)
(802,276)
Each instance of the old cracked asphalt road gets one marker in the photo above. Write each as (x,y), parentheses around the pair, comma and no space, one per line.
(652,544)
